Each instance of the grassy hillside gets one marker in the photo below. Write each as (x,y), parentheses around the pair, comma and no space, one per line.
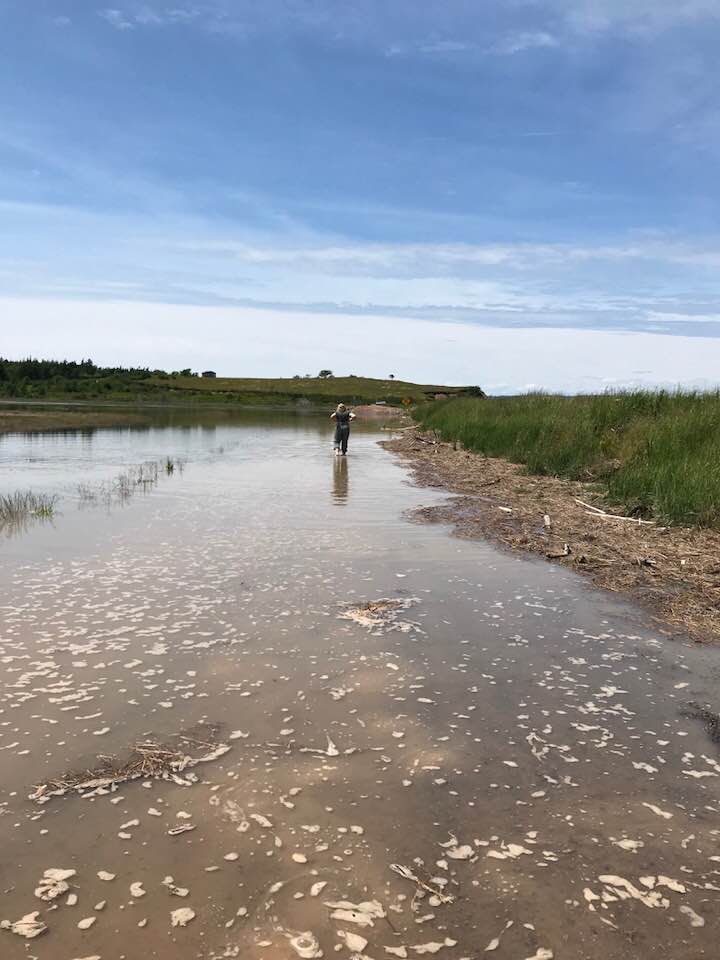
(654,454)
(314,389)
(67,380)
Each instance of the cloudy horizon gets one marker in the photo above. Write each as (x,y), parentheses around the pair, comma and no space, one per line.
(520,196)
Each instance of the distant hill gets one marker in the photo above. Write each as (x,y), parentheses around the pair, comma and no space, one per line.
(70,380)
(311,389)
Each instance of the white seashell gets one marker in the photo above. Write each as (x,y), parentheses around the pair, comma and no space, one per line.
(28,926)
(53,883)
(182,917)
(353,941)
(306,945)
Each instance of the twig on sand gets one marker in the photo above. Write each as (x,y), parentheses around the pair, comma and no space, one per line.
(408,874)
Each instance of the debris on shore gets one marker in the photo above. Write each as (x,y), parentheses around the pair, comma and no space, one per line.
(672,571)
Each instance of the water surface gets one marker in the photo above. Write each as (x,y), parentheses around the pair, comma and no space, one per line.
(533,725)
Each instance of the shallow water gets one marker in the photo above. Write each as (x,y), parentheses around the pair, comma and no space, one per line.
(537,722)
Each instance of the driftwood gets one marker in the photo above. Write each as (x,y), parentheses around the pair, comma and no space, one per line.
(426,885)
(597,512)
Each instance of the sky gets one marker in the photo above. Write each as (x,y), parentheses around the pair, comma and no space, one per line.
(511,193)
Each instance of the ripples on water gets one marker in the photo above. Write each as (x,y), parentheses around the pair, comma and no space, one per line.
(504,761)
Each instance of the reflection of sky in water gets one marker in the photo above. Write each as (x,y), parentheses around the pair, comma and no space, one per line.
(537,723)
(64,458)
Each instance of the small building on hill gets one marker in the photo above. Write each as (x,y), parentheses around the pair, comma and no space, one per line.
(209,373)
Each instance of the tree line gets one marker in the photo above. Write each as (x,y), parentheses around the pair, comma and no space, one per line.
(30,369)
(37,378)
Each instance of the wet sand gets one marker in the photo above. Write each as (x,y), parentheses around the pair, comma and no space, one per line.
(512,739)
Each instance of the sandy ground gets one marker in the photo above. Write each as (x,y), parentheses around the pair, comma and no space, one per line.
(673,572)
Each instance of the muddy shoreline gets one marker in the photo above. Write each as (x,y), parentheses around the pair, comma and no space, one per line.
(672,572)
(37,421)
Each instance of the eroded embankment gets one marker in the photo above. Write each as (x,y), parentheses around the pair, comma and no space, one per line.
(672,571)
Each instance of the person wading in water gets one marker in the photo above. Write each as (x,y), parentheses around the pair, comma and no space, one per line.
(342,418)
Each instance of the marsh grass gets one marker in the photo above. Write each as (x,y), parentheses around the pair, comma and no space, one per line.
(142,477)
(655,454)
(19,509)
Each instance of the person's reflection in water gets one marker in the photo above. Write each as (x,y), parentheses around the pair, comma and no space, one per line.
(340,480)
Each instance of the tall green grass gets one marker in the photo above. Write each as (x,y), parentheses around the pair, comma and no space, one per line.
(655,454)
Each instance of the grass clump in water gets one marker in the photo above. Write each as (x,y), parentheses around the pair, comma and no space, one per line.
(18,509)
(655,453)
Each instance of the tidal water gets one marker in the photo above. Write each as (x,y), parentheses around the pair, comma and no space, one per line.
(498,762)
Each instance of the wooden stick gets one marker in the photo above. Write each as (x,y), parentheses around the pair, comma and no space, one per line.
(597,512)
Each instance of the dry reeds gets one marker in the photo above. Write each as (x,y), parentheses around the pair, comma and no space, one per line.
(147,760)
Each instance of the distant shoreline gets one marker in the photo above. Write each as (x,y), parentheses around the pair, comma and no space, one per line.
(38,416)
(38,420)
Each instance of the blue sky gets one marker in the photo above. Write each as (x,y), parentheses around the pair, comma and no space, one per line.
(515,167)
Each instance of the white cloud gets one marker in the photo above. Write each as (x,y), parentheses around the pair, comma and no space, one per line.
(661,318)
(446,46)
(246,342)
(406,27)
(643,16)
(147,16)
(520,42)
(642,283)
(116,18)
(403,259)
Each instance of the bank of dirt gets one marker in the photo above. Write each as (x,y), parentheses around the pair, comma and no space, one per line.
(674,572)
(376,411)
(30,421)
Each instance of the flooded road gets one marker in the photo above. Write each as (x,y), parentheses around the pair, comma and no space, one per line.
(496,762)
